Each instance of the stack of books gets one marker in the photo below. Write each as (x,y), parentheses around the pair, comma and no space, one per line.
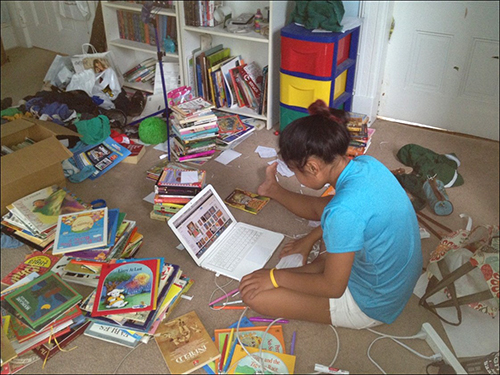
(33,218)
(143,72)
(174,188)
(361,134)
(35,310)
(195,129)
(233,129)
(132,298)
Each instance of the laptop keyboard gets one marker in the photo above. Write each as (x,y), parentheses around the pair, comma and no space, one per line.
(235,248)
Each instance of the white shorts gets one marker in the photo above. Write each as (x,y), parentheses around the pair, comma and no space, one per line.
(345,312)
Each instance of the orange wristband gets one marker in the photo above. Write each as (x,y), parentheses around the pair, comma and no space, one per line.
(273,280)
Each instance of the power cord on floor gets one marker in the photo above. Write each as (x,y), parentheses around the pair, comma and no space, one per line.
(421,335)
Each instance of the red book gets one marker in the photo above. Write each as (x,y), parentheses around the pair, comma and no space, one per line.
(137,152)
(34,262)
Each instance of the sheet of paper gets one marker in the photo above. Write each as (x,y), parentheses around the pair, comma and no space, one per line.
(227,156)
(476,327)
(282,168)
(189,177)
(150,198)
(266,152)
(171,75)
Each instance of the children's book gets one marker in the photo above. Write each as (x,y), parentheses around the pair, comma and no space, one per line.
(185,344)
(34,262)
(181,178)
(81,230)
(193,107)
(247,201)
(253,337)
(41,301)
(102,156)
(274,362)
(126,286)
(41,209)
(230,124)
(111,334)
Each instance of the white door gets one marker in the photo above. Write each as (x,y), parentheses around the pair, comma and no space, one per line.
(442,66)
(49,29)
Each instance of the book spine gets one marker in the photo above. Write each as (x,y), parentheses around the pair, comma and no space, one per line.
(168,190)
(198,155)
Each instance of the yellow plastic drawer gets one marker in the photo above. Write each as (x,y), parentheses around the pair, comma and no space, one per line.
(340,83)
(301,92)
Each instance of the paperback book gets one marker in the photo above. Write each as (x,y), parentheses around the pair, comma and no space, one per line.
(274,362)
(247,201)
(128,286)
(82,230)
(111,334)
(34,262)
(41,301)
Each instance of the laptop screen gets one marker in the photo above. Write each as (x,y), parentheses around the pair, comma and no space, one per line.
(202,223)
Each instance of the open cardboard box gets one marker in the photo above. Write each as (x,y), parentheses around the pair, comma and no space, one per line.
(36,166)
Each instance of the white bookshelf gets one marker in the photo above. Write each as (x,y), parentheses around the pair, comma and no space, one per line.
(128,53)
(252,46)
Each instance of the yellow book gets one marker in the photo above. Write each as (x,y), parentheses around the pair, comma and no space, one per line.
(274,362)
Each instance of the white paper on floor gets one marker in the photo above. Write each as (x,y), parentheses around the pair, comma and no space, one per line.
(266,152)
(477,335)
(227,156)
(282,168)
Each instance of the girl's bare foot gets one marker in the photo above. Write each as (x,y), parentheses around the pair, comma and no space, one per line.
(270,186)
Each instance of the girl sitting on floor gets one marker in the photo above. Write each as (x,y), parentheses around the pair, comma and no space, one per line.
(371,256)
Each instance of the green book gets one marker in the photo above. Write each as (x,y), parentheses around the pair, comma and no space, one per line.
(41,301)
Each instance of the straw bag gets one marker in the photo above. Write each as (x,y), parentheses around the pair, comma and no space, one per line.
(465,267)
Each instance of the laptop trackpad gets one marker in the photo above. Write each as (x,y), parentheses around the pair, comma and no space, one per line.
(258,254)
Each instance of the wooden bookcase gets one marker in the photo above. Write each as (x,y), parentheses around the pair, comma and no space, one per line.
(129,53)
(252,46)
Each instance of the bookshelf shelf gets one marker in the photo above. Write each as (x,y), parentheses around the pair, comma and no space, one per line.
(129,53)
(251,46)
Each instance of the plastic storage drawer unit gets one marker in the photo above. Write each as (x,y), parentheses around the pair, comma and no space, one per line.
(301,92)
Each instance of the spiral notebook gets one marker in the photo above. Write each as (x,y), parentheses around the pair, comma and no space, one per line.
(217,242)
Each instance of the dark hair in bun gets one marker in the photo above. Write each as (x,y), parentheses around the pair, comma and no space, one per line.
(322,134)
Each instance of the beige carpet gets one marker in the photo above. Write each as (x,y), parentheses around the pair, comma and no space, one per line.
(125,186)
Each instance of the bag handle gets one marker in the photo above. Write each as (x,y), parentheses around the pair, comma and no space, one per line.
(421,216)
(88,45)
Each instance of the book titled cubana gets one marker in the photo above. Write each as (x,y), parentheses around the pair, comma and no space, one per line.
(81,230)
(128,286)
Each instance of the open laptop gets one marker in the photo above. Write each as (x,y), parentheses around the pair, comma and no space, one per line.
(212,237)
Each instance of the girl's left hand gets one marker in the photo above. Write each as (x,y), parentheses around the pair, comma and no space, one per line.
(254,283)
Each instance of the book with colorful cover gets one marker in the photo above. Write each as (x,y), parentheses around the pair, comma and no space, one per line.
(81,230)
(137,151)
(111,334)
(185,344)
(41,301)
(129,285)
(34,262)
(247,201)
(41,209)
(193,107)
(274,362)
(230,124)
(103,156)
(181,178)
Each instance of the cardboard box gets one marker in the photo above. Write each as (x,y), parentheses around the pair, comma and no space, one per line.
(36,166)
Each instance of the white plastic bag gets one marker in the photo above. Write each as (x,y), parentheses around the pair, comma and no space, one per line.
(82,81)
(60,72)
(96,61)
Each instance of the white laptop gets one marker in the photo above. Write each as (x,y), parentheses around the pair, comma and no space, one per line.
(217,242)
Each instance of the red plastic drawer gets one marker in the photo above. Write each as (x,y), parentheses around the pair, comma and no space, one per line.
(343,49)
(307,57)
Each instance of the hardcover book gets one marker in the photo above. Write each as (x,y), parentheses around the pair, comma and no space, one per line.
(111,334)
(137,151)
(181,178)
(128,286)
(41,301)
(34,262)
(81,230)
(185,344)
(247,201)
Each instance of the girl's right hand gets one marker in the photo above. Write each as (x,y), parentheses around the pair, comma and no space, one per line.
(299,246)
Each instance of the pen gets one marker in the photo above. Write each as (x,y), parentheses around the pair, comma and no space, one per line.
(228,345)
(224,296)
(230,357)
(224,348)
(229,307)
(292,347)
(232,302)
(259,319)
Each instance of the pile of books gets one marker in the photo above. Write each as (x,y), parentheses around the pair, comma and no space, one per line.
(35,310)
(33,218)
(143,72)
(361,134)
(233,129)
(174,188)
(132,298)
(195,129)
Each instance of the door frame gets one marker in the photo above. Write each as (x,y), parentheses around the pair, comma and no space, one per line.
(372,53)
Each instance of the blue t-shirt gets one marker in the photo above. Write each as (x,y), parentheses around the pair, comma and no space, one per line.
(372,215)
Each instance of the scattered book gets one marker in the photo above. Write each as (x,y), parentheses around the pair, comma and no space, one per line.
(185,344)
(42,300)
(274,362)
(82,230)
(34,262)
(128,286)
(247,201)
(137,151)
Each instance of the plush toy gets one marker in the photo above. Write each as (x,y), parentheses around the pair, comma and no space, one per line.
(153,130)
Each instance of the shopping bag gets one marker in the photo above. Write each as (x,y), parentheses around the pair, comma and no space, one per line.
(82,81)
(60,72)
(464,266)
